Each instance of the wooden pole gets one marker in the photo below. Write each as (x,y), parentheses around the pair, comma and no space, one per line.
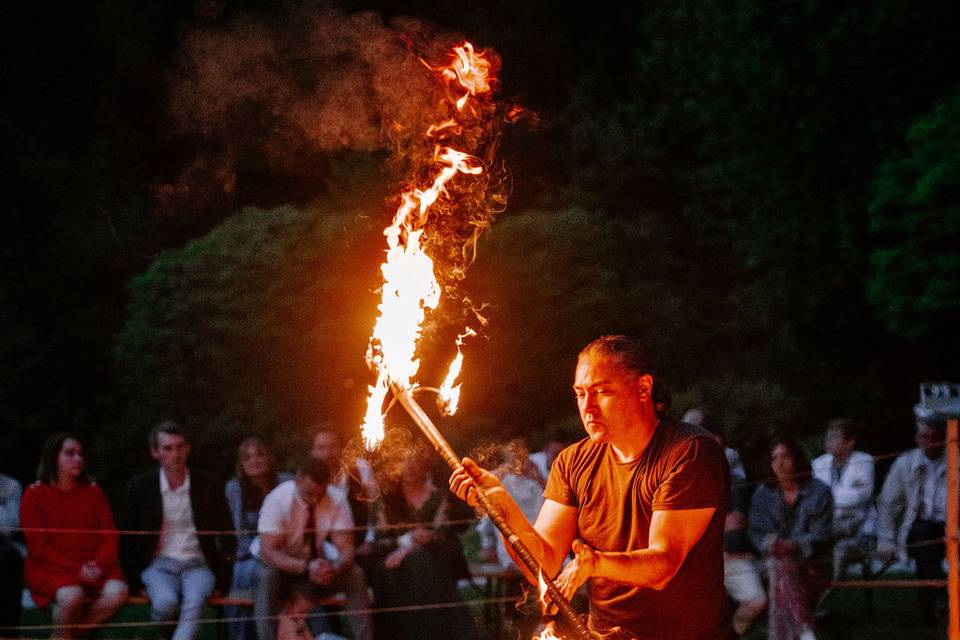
(430,430)
(953,510)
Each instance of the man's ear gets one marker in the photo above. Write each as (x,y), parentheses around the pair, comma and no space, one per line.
(645,386)
(155,453)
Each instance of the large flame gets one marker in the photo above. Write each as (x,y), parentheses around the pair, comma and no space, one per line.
(410,287)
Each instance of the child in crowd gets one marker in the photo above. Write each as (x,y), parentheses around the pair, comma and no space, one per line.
(296,602)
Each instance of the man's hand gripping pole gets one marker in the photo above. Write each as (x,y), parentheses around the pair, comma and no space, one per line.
(423,421)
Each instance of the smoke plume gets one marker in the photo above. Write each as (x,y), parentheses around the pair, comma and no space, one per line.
(278,93)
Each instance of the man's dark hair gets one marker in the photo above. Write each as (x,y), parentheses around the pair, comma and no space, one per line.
(848,428)
(315,469)
(628,354)
(624,350)
(169,427)
(48,469)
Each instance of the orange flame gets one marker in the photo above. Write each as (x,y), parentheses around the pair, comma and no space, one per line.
(448,397)
(410,287)
(548,633)
(543,591)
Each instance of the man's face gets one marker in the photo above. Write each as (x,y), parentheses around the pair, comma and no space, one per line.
(309,491)
(929,440)
(836,445)
(610,398)
(326,447)
(171,452)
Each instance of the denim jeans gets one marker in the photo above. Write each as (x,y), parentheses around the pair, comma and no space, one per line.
(178,584)
(243,585)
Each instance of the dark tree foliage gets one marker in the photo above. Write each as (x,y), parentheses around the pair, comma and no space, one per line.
(915,216)
(259,327)
(760,125)
(763,190)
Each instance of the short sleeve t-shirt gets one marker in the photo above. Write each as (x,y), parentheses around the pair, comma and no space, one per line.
(284,512)
(681,468)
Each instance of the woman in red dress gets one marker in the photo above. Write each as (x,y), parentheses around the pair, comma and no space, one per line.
(71,542)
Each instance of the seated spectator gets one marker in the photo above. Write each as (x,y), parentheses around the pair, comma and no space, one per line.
(913,507)
(697,417)
(256,476)
(11,557)
(295,605)
(514,474)
(557,441)
(741,570)
(354,479)
(306,535)
(791,525)
(419,564)
(849,474)
(78,573)
(178,567)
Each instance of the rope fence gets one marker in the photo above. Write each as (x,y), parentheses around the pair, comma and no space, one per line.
(380,526)
(475,602)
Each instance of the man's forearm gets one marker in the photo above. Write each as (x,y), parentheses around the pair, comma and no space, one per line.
(542,553)
(652,568)
(283,561)
(346,560)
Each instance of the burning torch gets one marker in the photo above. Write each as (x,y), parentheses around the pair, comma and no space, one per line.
(410,290)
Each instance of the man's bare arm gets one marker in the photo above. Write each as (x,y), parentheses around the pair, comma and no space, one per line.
(343,541)
(672,536)
(273,550)
(548,540)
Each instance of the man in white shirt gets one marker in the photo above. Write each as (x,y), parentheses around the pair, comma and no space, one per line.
(849,474)
(178,567)
(297,519)
(354,478)
(915,496)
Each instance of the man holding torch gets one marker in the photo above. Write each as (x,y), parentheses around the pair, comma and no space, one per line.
(640,501)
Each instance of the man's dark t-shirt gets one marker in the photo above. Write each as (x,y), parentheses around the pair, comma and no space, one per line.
(681,468)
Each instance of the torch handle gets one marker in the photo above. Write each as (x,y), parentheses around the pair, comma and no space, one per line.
(453,461)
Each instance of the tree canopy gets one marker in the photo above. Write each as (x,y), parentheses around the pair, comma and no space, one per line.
(764,191)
